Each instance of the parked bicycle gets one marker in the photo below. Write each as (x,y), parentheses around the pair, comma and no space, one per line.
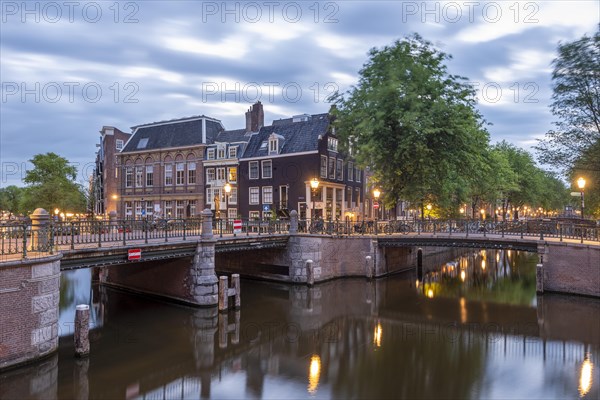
(397,227)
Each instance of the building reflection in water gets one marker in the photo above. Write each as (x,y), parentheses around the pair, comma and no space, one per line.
(472,339)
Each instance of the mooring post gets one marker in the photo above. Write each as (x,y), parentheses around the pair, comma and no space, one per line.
(310,275)
(368,268)
(419,264)
(223,328)
(223,293)
(235,282)
(539,281)
(82,328)
(236,332)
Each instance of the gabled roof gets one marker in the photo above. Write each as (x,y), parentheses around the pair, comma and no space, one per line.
(174,133)
(298,136)
(236,135)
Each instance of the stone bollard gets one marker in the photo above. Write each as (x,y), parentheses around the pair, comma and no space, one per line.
(207,229)
(82,328)
(293,222)
(223,293)
(40,230)
(310,273)
(235,282)
(368,269)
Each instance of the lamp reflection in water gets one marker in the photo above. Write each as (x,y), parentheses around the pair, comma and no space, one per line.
(314,373)
(585,380)
(377,335)
(463,275)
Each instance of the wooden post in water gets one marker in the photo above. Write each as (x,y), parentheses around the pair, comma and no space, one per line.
(310,275)
(223,293)
(368,268)
(235,282)
(420,264)
(82,328)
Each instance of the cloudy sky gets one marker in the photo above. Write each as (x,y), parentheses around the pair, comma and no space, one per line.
(68,68)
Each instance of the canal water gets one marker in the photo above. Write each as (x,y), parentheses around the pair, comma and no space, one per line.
(473,327)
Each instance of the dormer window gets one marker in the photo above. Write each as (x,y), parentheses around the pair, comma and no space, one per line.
(332,144)
(210,154)
(232,152)
(221,152)
(273,145)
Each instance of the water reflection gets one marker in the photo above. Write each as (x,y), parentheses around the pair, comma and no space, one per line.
(341,339)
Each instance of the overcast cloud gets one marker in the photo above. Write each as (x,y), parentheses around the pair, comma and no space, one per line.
(68,68)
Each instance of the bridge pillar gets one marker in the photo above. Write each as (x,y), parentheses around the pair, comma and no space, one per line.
(205,288)
(293,222)
(40,230)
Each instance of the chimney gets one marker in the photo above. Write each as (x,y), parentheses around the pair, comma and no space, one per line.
(255,117)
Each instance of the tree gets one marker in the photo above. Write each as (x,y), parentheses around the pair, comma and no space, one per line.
(10,199)
(51,184)
(576,102)
(413,123)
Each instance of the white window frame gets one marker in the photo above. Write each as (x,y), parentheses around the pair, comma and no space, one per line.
(128,208)
(339,169)
(254,215)
(209,196)
(331,168)
(256,191)
(229,169)
(210,175)
(274,146)
(210,154)
(149,175)
(119,144)
(350,171)
(233,196)
(220,152)
(139,176)
(265,192)
(191,176)
(250,164)
(221,174)
(324,167)
(357,173)
(179,173)
(232,213)
(233,152)
(262,169)
(128,177)
(168,175)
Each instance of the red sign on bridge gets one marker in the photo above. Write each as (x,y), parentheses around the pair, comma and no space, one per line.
(134,254)
(237,226)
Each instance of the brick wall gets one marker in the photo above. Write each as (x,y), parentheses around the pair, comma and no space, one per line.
(29,298)
(571,268)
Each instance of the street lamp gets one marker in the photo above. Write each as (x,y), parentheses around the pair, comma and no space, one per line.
(482,211)
(227,188)
(376,194)
(314,185)
(581,185)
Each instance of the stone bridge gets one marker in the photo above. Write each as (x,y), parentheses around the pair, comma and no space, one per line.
(185,269)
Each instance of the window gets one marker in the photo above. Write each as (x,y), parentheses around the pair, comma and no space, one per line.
(323,166)
(273,146)
(232,174)
(149,208)
(128,208)
(253,165)
(168,208)
(180,206)
(220,174)
(210,154)
(350,171)
(138,209)
(339,170)
(331,168)
(254,215)
(119,144)
(210,175)
(221,152)
(149,175)
(168,174)
(357,171)
(332,144)
(192,207)
(128,177)
(232,152)
(191,173)
(267,169)
(267,194)
(209,196)
(232,213)
(233,196)
(179,177)
(142,143)
(254,195)
(139,176)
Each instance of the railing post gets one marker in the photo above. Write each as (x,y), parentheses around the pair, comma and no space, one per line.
(560,231)
(582,228)
(522,230)
(166,230)
(124,229)
(146,231)
(25,240)
(467,228)
(72,236)
(99,234)
(183,229)
(220,227)
(434,224)
(248,227)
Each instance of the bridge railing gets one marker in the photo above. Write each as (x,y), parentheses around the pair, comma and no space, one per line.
(18,240)
(536,228)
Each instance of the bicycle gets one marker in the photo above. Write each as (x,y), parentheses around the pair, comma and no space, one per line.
(397,227)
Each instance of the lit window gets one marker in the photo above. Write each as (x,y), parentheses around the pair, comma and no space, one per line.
(254,215)
(253,165)
(267,169)
(232,174)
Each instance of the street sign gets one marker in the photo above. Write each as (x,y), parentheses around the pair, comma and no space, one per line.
(375,205)
(576,194)
(266,208)
(134,254)
(237,226)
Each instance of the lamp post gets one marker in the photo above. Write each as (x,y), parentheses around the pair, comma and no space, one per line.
(227,188)
(429,207)
(376,194)
(314,185)
(581,185)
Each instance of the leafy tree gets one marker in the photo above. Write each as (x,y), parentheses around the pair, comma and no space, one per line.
(576,102)
(413,123)
(588,167)
(51,184)
(10,199)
